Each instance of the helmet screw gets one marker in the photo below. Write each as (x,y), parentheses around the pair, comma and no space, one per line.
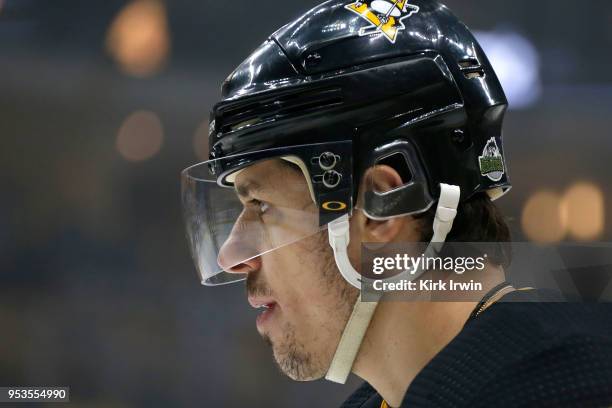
(458,136)
(312,60)
(327,160)
(331,178)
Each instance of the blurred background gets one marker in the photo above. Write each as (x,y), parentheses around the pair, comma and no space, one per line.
(102,103)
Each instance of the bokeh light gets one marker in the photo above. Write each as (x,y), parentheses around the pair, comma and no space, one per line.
(140,136)
(516,63)
(138,38)
(200,141)
(543,219)
(583,203)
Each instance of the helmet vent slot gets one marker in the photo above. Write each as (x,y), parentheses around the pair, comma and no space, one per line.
(279,106)
(471,68)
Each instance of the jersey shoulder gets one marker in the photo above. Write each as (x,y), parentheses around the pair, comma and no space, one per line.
(525,346)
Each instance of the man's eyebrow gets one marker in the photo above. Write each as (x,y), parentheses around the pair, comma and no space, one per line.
(247,188)
(250,186)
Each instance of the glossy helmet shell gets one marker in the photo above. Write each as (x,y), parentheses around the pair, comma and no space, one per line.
(428,96)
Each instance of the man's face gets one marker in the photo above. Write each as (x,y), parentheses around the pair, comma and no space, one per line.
(307,302)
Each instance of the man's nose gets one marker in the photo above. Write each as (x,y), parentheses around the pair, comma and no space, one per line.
(239,254)
(247,266)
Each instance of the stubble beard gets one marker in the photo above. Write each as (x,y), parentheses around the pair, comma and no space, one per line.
(292,356)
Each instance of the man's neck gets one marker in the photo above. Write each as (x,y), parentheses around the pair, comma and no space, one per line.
(404,336)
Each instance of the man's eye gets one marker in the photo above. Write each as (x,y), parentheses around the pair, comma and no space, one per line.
(261,206)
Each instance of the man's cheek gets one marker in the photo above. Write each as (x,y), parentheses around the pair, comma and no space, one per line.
(298,311)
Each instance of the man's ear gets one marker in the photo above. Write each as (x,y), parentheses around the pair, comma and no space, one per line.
(380,178)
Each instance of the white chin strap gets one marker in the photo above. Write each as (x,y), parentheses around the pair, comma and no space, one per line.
(358,322)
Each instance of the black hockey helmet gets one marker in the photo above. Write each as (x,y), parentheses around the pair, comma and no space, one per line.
(351,84)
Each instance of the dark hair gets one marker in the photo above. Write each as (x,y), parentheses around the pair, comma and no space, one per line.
(478,220)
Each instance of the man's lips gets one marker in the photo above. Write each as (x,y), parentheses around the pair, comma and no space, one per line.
(268,307)
(260,302)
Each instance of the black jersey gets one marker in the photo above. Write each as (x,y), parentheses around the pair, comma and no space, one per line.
(520,352)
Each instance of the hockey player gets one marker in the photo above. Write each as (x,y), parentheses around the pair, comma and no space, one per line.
(377,121)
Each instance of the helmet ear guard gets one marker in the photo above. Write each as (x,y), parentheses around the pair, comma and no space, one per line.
(412,197)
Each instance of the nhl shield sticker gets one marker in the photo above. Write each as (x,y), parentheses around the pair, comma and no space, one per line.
(385,17)
(491,162)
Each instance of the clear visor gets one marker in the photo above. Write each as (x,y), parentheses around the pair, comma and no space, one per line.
(235,217)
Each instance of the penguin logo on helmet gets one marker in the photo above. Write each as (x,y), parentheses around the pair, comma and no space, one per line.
(385,17)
